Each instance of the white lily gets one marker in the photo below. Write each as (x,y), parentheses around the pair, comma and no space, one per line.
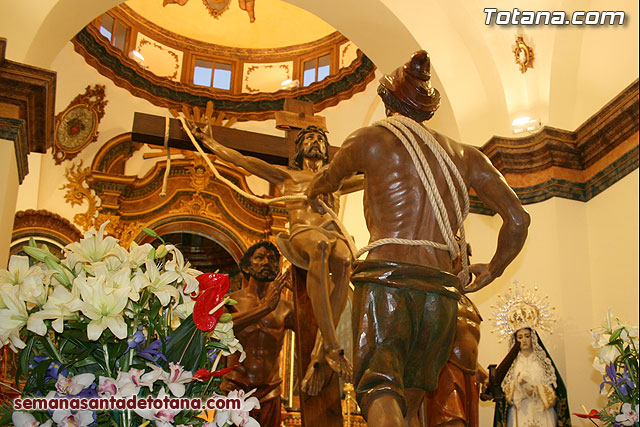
(599,366)
(629,335)
(224,332)
(158,283)
(608,354)
(137,254)
(186,274)
(94,247)
(71,386)
(19,271)
(609,320)
(241,416)
(25,419)
(12,318)
(4,287)
(103,306)
(184,310)
(57,308)
(70,419)
(73,262)
(600,337)
(30,280)
(119,279)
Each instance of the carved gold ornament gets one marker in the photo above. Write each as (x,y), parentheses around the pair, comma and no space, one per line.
(77,125)
(524,55)
(78,191)
(124,231)
(218,7)
(521,308)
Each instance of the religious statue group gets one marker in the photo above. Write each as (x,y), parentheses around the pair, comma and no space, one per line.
(415,331)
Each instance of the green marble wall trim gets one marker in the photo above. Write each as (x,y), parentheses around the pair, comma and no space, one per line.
(580,191)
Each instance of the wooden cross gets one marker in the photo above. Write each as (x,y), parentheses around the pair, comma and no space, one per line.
(149,129)
(295,116)
(276,150)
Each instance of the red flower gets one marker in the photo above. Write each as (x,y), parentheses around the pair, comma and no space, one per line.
(592,414)
(205,374)
(213,287)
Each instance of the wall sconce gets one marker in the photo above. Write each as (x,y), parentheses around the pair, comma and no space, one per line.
(290,84)
(524,55)
(525,124)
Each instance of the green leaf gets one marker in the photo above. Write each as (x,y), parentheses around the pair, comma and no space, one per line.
(231,301)
(216,344)
(37,253)
(150,232)
(186,345)
(39,373)
(226,317)
(25,357)
(615,335)
(6,412)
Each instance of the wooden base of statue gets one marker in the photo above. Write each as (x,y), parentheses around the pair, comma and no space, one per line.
(325,409)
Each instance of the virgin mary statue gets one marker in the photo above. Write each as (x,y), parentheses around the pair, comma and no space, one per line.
(534,394)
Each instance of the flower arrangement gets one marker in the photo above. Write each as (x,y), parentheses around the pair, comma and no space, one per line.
(105,321)
(618,362)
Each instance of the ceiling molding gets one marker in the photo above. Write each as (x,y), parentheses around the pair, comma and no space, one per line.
(162,92)
(180,42)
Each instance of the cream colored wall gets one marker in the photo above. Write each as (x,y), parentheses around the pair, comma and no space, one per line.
(606,51)
(8,196)
(612,219)
(30,187)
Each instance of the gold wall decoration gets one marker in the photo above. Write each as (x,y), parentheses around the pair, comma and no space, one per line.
(78,192)
(524,55)
(77,125)
(195,201)
(125,231)
(216,7)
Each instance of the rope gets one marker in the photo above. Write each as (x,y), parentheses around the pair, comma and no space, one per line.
(165,178)
(404,128)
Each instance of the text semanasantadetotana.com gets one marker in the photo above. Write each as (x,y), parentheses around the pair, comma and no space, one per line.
(121,403)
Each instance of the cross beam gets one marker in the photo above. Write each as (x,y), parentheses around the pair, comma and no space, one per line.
(149,129)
